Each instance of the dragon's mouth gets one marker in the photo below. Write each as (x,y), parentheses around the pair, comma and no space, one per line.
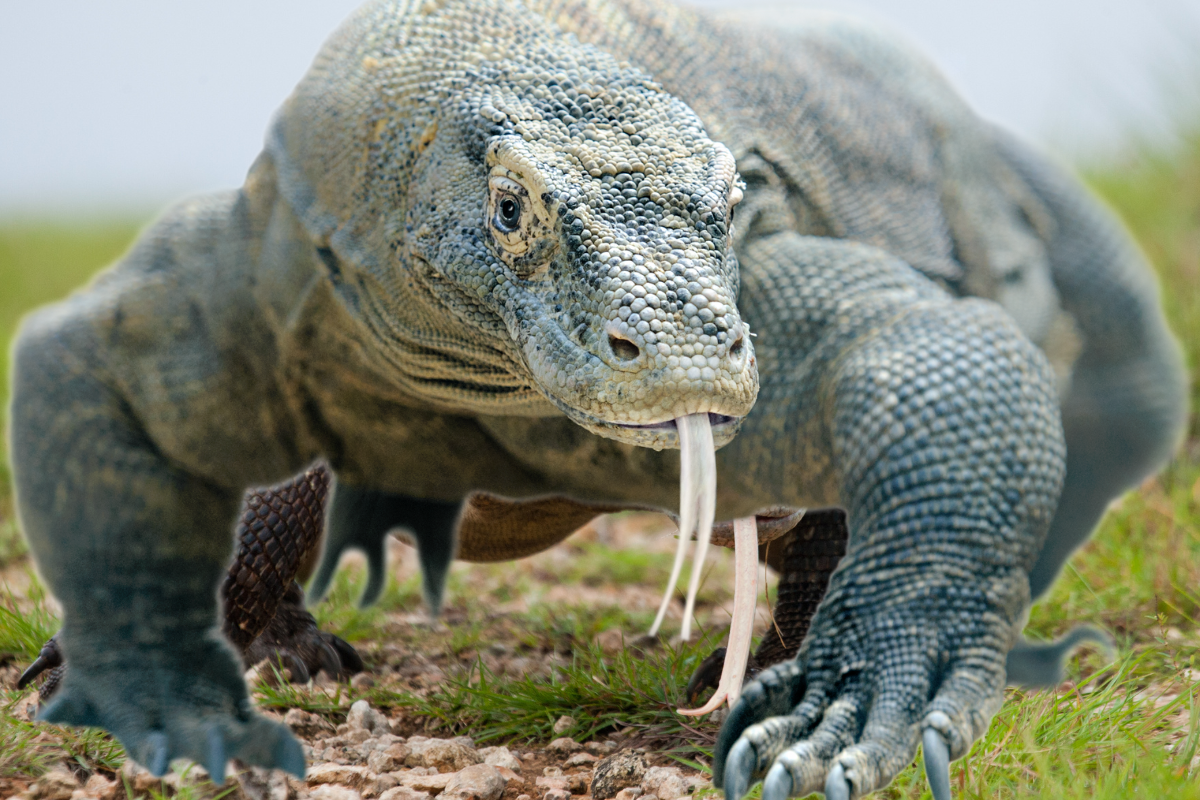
(715,420)
(662,435)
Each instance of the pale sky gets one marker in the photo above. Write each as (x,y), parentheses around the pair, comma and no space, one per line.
(120,106)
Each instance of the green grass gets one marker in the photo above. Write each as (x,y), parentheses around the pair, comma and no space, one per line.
(25,622)
(1112,731)
(41,262)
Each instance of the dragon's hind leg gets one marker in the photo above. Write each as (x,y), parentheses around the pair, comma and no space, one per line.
(1126,406)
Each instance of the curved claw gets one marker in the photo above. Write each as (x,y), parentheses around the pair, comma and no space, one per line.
(215,758)
(289,757)
(348,661)
(836,785)
(774,692)
(706,676)
(778,785)
(157,757)
(937,764)
(739,769)
(49,657)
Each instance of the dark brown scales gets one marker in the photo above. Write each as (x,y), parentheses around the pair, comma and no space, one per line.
(278,539)
(804,559)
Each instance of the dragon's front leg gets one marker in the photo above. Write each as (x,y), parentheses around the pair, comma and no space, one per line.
(134,547)
(948,450)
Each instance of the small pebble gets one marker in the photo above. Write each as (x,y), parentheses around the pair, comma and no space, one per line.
(564,745)
(579,759)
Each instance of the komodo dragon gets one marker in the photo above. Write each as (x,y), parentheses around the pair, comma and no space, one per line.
(491,246)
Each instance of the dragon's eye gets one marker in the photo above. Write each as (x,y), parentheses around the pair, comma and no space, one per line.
(508,213)
(518,224)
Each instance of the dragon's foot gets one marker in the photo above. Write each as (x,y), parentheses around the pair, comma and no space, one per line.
(293,641)
(848,715)
(168,704)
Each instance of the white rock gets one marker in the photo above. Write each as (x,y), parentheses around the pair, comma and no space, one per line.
(668,783)
(57,784)
(258,783)
(100,787)
(362,716)
(306,724)
(334,792)
(404,793)
(564,745)
(344,774)
(138,777)
(476,782)
(579,759)
(500,757)
(433,784)
(381,784)
(446,755)
(564,724)
(388,759)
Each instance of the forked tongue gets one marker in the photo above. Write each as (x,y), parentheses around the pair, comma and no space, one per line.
(697,508)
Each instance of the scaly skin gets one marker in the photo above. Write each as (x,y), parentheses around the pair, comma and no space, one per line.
(489,246)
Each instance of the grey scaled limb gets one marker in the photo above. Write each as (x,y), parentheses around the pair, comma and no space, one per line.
(360,519)
(133,547)
(948,454)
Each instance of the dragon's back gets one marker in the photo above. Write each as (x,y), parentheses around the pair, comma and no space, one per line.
(842,130)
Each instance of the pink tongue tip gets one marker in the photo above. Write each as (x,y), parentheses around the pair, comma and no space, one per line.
(741,627)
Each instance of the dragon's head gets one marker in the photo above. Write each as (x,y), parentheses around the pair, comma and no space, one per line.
(518,213)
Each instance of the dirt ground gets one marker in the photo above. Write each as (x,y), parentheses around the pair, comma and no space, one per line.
(516,620)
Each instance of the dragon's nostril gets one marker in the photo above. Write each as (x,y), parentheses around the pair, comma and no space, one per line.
(738,346)
(623,348)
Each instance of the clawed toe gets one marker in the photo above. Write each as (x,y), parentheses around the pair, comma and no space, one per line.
(706,675)
(293,641)
(739,769)
(836,785)
(778,785)
(216,758)
(49,658)
(49,662)
(937,764)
